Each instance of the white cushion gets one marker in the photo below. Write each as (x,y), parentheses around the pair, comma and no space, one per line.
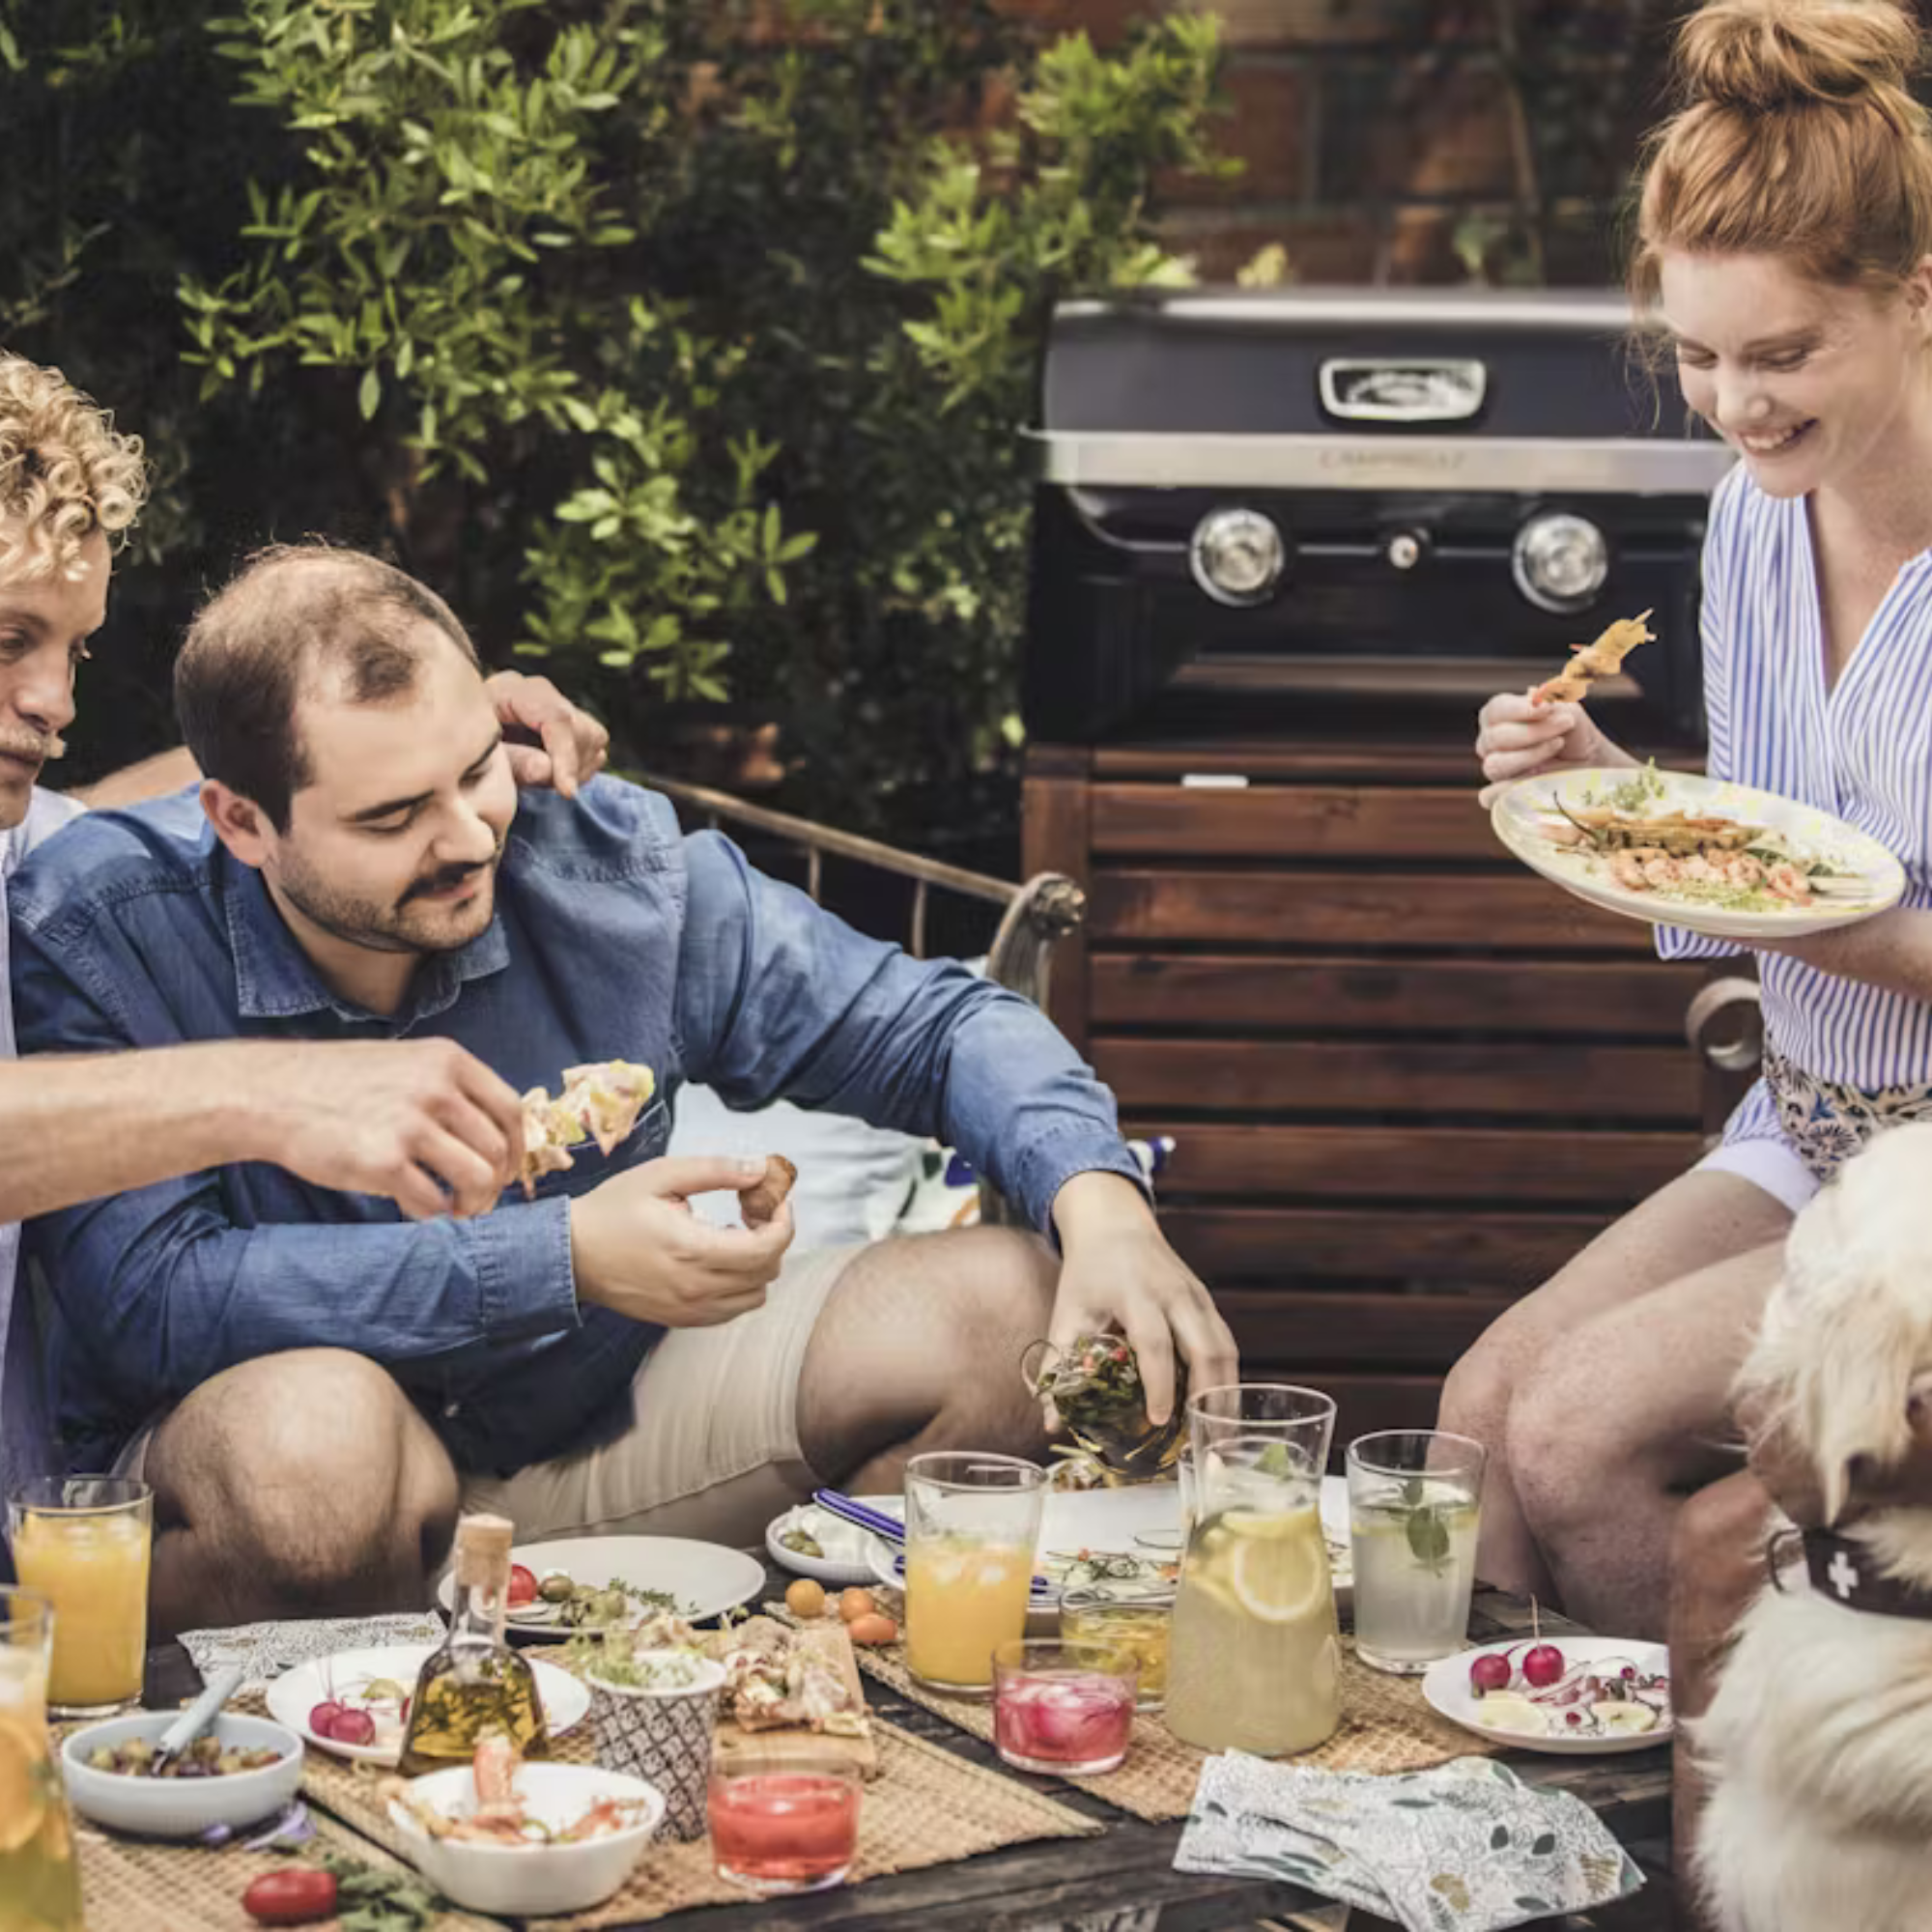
(853,1179)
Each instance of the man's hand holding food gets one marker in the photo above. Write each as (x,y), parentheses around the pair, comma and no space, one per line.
(637,1247)
(1117,1271)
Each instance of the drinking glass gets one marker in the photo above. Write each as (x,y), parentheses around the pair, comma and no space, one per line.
(1413,1497)
(1129,1619)
(971,1521)
(40,1877)
(1063,1707)
(784,1815)
(1253,1662)
(82,1542)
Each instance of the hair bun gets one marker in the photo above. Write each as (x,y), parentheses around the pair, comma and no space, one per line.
(1764,54)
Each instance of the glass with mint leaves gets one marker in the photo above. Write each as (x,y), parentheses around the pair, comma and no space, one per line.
(1095,1384)
(1414,1496)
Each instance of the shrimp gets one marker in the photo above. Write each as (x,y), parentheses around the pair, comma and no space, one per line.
(1661,871)
(1789,883)
(1627,869)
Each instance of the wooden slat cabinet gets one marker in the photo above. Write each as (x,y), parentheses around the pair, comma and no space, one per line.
(1406,1079)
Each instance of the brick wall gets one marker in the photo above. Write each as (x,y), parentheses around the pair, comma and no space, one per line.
(1376,133)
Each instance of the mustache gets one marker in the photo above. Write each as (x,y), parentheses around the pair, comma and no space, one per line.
(39,749)
(440,881)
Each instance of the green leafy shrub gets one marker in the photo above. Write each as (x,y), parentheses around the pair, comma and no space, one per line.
(685,345)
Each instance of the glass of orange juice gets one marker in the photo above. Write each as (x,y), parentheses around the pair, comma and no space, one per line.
(82,1542)
(40,1878)
(971,1521)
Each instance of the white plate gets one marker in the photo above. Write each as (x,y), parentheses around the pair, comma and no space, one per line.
(847,1559)
(1143,1519)
(295,1692)
(1445,1684)
(1523,812)
(705,1579)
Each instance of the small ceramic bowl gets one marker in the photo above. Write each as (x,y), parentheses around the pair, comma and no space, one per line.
(181,1808)
(531,1881)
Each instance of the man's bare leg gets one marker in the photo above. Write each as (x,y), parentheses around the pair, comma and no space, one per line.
(299,1485)
(918,1348)
(1699,1219)
(1624,1420)
(1716,1568)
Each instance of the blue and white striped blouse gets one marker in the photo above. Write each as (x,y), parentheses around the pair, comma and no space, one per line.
(1860,750)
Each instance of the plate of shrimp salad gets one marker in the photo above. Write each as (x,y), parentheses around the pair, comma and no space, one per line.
(1714,858)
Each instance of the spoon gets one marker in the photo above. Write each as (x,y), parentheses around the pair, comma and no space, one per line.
(195,1720)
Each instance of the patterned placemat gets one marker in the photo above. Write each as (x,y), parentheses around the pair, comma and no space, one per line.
(1386,1727)
(926,1807)
(130,1886)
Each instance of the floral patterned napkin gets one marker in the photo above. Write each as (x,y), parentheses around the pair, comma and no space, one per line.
(1465,1847)
(266,1650)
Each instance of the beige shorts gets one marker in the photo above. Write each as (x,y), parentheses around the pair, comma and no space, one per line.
(712,1450)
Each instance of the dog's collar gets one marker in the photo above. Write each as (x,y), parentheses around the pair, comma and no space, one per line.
(1842,1572)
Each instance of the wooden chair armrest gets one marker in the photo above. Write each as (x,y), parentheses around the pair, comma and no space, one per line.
(1724,1022)
(1044,912)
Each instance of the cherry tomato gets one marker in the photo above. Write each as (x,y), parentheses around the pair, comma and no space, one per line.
(292,1897)
(522,1586)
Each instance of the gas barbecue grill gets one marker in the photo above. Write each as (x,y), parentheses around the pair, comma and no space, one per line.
(1245,500)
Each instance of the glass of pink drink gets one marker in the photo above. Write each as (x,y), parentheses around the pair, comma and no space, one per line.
(1063,1707)
(785,1817)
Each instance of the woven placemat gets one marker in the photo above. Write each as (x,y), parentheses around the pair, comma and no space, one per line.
(1386,1727)
(926,1807)
(129,1886)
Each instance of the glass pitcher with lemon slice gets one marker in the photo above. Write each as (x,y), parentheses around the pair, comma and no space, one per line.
(40,1878)
(1255,1656)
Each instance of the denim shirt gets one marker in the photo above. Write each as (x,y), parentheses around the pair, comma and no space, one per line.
(613,937)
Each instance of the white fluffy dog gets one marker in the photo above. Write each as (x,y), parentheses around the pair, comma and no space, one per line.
(1819,1742)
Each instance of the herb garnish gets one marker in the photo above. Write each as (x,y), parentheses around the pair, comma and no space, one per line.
(1425,1527)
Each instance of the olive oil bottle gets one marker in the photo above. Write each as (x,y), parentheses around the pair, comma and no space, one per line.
(474,1684)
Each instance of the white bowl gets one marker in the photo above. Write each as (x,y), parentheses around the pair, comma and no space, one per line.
(529,1880)
(181,1808)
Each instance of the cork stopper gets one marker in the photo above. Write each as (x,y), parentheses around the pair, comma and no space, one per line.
(483,1552)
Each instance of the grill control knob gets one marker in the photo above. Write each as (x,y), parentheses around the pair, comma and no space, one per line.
(1237,556)
(1406,549)
(1560,562)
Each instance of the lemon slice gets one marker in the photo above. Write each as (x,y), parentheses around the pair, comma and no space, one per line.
(26,1782)
(1278,1574)
(1620,1714)
(1507,1711)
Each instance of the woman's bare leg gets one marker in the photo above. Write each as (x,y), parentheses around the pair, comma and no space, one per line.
(1621,1423)
(1696,1220)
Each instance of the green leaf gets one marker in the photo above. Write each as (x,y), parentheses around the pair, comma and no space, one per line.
(1427,1535)
(369,397)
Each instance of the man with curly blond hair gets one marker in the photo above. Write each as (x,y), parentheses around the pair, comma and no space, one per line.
(421,1121)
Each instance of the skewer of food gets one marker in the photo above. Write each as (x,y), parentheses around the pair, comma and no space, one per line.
(1638,841)
(599,1102)
(1603,656)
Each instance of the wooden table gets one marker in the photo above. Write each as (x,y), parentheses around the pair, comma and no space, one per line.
(1125,1879)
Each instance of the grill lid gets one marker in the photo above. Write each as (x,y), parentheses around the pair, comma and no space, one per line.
(1366,388)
